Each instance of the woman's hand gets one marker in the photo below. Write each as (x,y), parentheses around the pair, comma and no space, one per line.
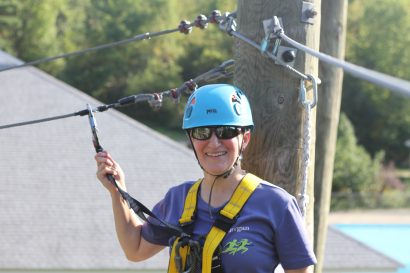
(106,165)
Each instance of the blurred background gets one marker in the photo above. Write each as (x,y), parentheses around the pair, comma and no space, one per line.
(372,161)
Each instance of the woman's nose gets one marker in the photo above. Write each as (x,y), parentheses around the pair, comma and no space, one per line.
(214,140)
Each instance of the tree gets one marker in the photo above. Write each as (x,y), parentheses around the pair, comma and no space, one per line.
(377,39)
(9,23)
(37,29)
(30,35)
(354,170)
(145,66)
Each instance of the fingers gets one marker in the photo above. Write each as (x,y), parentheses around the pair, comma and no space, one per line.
(104,158)
(106,165)
(105,169)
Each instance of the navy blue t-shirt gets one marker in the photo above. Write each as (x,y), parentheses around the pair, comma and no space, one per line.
(270,230)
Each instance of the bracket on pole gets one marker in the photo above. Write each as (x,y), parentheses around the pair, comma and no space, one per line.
(273,29)
(309,13)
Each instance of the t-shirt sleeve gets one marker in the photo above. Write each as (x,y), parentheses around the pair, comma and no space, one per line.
(293,246)
(169,209)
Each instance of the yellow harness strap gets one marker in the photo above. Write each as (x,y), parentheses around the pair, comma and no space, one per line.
(221,226)
(187,215)
(190,204)
(230,211)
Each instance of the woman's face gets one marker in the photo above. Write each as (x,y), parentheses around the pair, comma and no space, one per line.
(216,155)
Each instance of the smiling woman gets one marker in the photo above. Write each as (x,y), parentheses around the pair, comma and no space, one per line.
(226,228)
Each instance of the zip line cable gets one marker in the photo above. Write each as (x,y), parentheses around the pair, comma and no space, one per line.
(383,80)
(225,70)
(184,27)
(227,23)
(270,55)
(378,78)
(275,30)
(38,121)
(144,36)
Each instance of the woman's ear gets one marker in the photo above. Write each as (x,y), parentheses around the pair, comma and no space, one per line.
(246,139)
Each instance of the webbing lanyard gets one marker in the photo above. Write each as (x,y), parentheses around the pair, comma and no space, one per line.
(139,209)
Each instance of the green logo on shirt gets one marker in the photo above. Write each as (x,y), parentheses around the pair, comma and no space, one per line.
(234,246)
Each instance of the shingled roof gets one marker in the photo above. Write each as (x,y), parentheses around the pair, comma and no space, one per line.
(54,213)
(345,254)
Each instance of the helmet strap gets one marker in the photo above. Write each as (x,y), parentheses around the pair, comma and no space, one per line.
(235,164)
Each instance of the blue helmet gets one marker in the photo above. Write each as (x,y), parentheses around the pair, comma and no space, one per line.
(217,105)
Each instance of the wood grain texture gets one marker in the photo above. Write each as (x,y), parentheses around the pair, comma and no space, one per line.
(333,29)
(276,147)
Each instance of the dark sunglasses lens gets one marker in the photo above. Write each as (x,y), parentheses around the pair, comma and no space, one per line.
(201,133)
(226,132)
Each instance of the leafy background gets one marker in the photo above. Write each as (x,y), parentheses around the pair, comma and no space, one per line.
(374,124)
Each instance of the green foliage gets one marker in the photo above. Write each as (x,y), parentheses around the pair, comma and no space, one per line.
(9,23)
(354,169)
(378,39)
(147,66)
(34,29)
(355,172)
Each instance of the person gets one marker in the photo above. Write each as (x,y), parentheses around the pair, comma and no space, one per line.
(269,228)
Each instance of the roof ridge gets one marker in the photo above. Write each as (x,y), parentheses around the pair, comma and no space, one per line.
(113,112)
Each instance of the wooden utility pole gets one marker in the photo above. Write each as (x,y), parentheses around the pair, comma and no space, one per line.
(332,42)
(275,152)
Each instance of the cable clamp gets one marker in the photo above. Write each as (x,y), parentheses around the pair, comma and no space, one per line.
(156,102)
(216,17)
(228,24)
(191,85)
(201,21)
(174,93)
(273,29)
(185,27)
(303,92)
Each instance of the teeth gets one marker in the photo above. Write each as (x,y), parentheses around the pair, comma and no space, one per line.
(216,154)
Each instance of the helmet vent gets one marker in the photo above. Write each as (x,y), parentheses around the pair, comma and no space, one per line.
(238,109)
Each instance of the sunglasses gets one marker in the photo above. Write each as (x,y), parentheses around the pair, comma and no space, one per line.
(221,132)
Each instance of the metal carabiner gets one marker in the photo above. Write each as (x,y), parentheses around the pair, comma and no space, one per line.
(178,257)
(94,130)
(303,92)
(96,142)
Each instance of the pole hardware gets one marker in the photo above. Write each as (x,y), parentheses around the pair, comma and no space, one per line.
(309,12)
(286,55)
(303,98)
(273,30)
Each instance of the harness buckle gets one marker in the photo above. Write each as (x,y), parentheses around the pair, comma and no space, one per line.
(224,223)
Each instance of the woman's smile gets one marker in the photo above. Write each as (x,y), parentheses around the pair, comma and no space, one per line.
(216,154)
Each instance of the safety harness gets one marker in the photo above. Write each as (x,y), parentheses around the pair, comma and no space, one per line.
(186,253)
